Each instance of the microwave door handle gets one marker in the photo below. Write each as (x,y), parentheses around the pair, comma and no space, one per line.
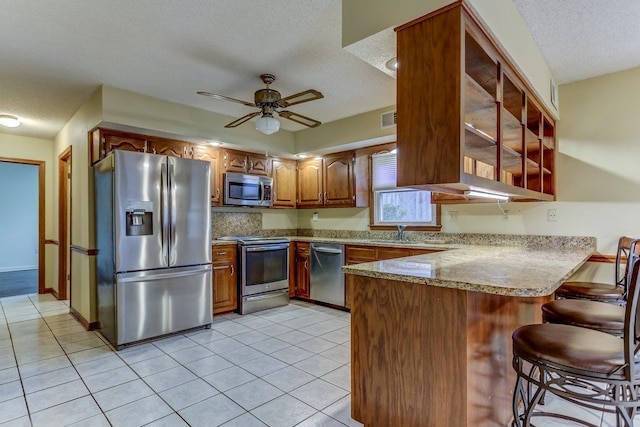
(261,196)
(266,248)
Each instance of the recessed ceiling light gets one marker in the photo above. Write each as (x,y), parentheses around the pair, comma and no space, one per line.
(392,64)
(215,143)
(302,156)
(9,121)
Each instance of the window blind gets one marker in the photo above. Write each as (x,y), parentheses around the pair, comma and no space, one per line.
(384,171)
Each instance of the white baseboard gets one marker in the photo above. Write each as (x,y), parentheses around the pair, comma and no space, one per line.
(19,268)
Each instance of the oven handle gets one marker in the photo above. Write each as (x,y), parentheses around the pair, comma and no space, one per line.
(266,248)
(268,295)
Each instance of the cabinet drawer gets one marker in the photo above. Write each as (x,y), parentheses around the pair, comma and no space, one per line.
(223,253)
(302,248)
(365,254)
(421,251)
(390,253)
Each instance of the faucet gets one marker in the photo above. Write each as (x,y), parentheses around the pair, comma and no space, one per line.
(401,228)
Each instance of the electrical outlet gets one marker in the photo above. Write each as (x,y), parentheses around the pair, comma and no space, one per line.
(316,217)
(552,215)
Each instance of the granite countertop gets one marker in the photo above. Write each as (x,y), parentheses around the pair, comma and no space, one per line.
(429,244)
(513,271)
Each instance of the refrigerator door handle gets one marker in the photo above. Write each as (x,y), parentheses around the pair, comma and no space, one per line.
(160,276)
(164,212)
(173,213)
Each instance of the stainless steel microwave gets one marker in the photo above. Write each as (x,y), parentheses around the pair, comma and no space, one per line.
(247,190)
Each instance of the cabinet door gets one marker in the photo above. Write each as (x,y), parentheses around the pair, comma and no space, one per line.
(339,184)
(171,148)
(225,289)
(211,155)
(310,183)
(302,270)
(257,164)
(235,161)
(284,183)
(121,142)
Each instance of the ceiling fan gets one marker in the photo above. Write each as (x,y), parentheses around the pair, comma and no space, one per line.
(269,101)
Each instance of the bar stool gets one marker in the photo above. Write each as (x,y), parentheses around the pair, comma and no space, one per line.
(604,292)
(601,316)
(586,367)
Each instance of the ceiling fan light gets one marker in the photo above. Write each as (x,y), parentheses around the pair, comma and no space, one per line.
(9,121)
(267,125)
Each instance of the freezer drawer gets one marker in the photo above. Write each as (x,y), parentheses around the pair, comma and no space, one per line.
(258,302)
(159,302)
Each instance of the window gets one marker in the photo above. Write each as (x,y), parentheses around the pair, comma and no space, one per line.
(393,205)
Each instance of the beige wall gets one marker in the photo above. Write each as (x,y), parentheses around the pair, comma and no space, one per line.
(75,135)
(22,147)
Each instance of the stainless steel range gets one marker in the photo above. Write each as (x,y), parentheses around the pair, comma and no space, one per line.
(264,273)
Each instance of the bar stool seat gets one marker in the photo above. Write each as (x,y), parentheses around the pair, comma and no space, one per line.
(599,316)
(573,348)
(591,290)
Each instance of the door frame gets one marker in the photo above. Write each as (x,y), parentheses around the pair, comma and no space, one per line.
(64,221)
(41,197)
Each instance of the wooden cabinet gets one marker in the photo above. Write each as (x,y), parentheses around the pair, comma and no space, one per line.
(211,155)
(303,270)
(327,182)
(104,141)
(242,162)
(167,147)
(466,118)
(225,280)
(283,172)
(357,254)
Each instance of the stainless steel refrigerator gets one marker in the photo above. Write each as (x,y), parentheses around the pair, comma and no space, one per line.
(153,235)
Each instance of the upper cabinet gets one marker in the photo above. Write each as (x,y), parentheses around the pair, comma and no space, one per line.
(327,182)
(283,172)
(103,141)
(466,118)
(249,163)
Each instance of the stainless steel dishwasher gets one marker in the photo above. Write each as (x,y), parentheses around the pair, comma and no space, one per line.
(327,279)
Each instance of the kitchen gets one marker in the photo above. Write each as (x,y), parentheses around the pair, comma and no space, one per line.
(595,178)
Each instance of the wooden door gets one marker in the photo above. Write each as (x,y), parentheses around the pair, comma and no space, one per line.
(171,148)
(310,193)
(112,142)
(235,161)
(211,155)
(257,164)
(225,285)
(303,271)
(284,183)
(339,183)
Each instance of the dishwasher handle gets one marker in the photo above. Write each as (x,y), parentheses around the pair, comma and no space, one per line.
(327,250)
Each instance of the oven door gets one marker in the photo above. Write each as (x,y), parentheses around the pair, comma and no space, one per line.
(265,267)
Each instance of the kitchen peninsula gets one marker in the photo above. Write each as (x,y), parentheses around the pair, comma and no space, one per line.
(431,334)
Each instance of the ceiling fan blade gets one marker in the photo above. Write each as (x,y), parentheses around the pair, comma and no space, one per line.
(299,118)
(299,98)
(226,98)
(243,119)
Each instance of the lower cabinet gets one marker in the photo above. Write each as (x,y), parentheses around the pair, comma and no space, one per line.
(359,254)
(225,278)
(303,270)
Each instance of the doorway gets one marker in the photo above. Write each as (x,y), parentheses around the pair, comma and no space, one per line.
(21,227)
(64,224)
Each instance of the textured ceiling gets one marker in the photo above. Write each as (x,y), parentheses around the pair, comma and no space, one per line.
(55,54)
(584,38)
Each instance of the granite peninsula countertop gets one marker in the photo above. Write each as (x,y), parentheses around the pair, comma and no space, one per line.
(500,270)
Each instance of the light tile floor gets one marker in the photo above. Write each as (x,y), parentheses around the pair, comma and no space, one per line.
(283,367)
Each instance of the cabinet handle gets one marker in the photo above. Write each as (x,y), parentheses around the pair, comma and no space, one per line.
(320,197)
(217,193)
(306,265)
(221,253)
(191,151)
(233,270)
(244,164)
(354,197)
(251,165)
(325,197)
